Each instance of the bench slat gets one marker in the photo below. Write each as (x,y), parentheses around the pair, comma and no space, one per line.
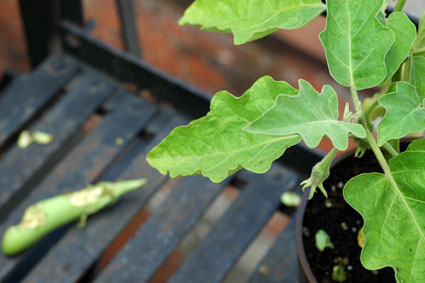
(28,93)
(78,169)
(160,235)
(80,248)
(280,264)
(228,239)
(19,165)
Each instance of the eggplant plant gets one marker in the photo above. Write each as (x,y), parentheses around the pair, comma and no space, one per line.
(365,48)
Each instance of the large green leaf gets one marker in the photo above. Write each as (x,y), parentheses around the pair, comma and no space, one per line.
(404,113)
(309,114)
(420,40)
(405,34)
(356,42)
(215,145)
(393,210)
(251,19)
(417,75)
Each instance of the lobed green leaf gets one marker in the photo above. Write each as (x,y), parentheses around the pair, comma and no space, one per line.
(417,75)
(308,114)
(405,34)
(420,40)
(393,210)
(356,42)
(404,113)
(251,19)
(215,145)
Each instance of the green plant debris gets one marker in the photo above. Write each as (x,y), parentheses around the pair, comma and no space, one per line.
(290,199)
(338,273)
(45,216)
(42,137)
(24,140)
(39,137)
(323,240)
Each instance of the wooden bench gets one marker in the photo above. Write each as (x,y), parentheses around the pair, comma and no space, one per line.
(80,98)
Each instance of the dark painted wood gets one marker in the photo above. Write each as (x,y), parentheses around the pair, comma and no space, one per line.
(76,170)
(19,166)
(40,20)
(280,263)
(125,67)
(163,231)
(228,239)
(70,258)
(72,10)
(128,26)
(26,95)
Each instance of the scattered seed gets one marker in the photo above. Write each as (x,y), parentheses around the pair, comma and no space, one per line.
(264,270)
(328,203)
(333,188)
(344,226)
(340,185)
(354,229)
(119,141)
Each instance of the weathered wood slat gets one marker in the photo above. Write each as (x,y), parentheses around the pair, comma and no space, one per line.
(163,231)
(228,239)
(78,169)
(28,93)
(68,260)
(280,264)
(18,165)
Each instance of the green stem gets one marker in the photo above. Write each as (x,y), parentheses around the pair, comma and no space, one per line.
(419,51)
(356,101)
(378,154)
(43,217)
(399,6)
(368,111)
(390,149)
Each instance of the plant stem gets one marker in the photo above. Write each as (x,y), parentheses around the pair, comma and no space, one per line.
(377,151)
(418,51)
(356,101)
(368,111)
(390,149)
(399,6)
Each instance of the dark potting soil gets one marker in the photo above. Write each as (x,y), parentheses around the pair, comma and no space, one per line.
(342,224)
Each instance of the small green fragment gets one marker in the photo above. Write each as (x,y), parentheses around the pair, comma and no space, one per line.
(25,139)
(42,137)
(323,240)
(119,141)
(290,199)
(338,273)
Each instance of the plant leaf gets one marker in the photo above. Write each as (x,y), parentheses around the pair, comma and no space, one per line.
(404,113)
(356,42)
(405,34)
(251,19)
(420,39)
(417,74)
(308,114)
(394,216)
(215,145)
